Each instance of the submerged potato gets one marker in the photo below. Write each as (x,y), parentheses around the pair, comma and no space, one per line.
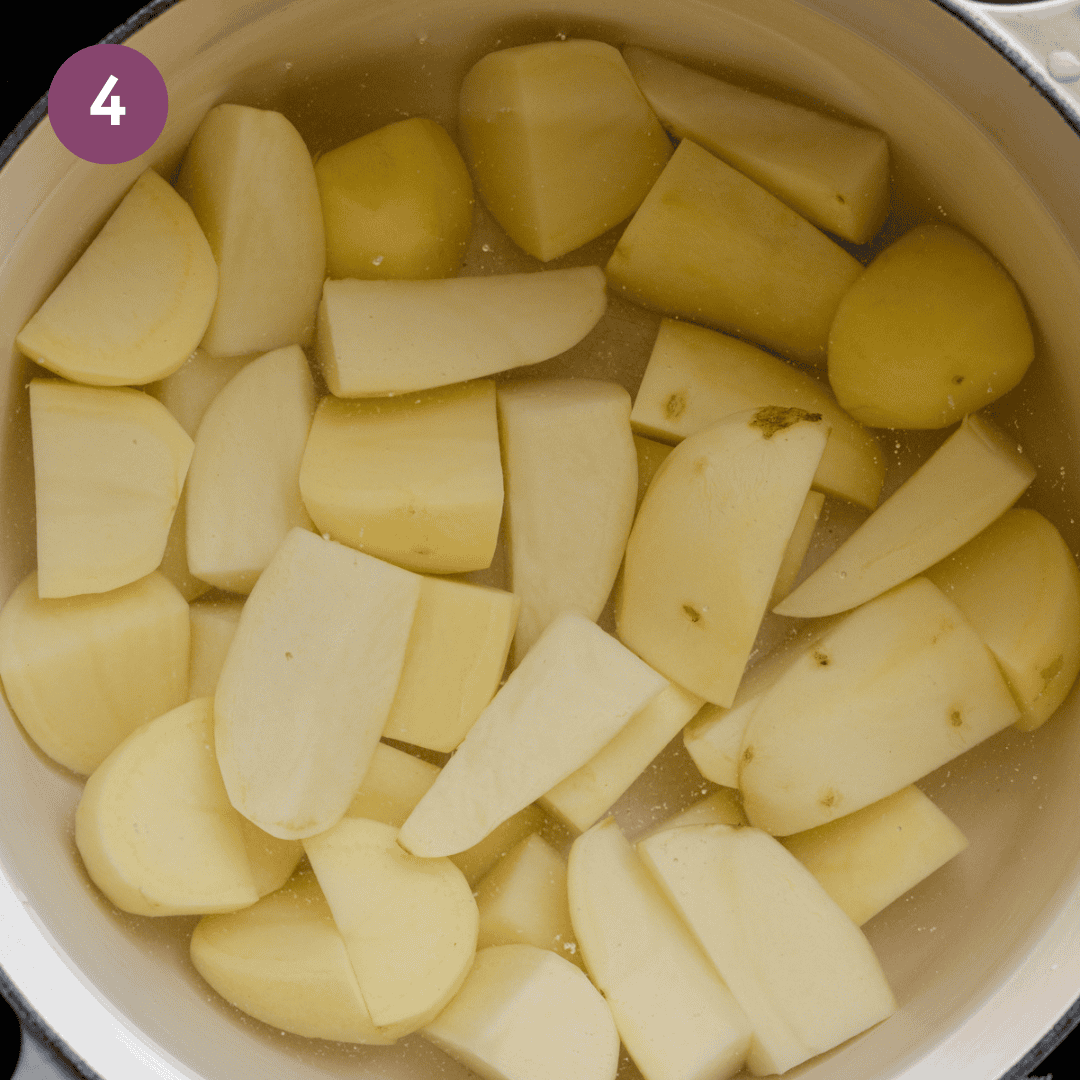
(933,330)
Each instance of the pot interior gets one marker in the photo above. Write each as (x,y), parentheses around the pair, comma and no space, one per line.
(972,143)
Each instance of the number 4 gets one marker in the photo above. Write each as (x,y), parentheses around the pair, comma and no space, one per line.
(114,109)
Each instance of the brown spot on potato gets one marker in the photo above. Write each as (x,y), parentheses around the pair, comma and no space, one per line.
(691,613)
(748,755)
(822,659)
(773,418)
(957,379)
(955,717)
(675,405)
(828,798)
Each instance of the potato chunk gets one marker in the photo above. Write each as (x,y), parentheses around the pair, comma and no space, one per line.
(453,663)
(560,141)
(394,337)
(708,542)
(677,1018)
(522,900)
(1018,585)
(834,173)
(934,329)
(308,681)
(526,1013)
(109,467)
(709,245)
(157,832)
(409,925)
(283,961)
(571,483)
(892,692)
(971,479)
(136,304)
(800,968)
(415,480)
(397,203)
(243,493)
(576,688)
(867,859)
(248,176)
(83,672)
(697,376)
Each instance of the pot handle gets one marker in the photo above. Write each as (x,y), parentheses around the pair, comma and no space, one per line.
(1045,34)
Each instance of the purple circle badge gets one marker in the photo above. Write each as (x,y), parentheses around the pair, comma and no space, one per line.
(108,104)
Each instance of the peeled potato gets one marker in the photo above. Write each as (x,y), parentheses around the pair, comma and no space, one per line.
(284,962)
(248,176)
(109,467)
(83,672)
(156,830)
(409,924)
(1018,585)
(933,330)
(397,203)
(135,305)
(560,141)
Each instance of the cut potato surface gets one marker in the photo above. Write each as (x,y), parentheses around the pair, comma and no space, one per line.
(522,901)
(711,246)
(708,541)
(895,690)
(1018,585)
(392,786)
(396,781)
(243,493)
(136,304)
(397,203)
(713,738)
(283,961)
(587,794)
(571,694)
(934,329)
(188,391)
(571,482)
(798,545)
(697,376)
(186,394)
(393,337)
(800,968)
(526,1014)
(109,467)
(974,477)
(248,177)
(415,480)
(156,831)
(409,925)
(478,860)
(833,173)
(866,860)
(308,682)
(454,662)
(676,1017)
(560,141)
(82,673)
